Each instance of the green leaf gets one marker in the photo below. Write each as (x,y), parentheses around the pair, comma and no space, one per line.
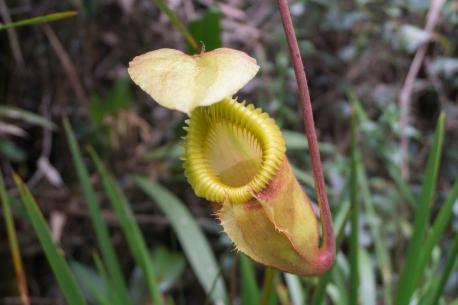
(130,228)
(40,19)
(368,284)
(295,289)
(404,189)
(96,109)
(11,151)
(411,272)
(59,266)
(249,288)
(170,266)
(90,282)
(296,141)
(105,298)
(169,269)
(191,238)
(338,290)
(12,241)
(118,99)
(438,227)
(381,248)
(339,220)
(438,287)
(302,176)
(354,237)
(170,151)
(268,296)
(162,5)
(100,227)
(207,29)
(26,116)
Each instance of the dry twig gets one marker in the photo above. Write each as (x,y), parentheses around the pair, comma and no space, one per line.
(406,91)
(67,64)
(12,36)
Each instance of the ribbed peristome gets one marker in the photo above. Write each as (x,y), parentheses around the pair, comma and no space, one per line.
(235,131)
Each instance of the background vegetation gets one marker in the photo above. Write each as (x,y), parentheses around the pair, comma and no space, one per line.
(131,228)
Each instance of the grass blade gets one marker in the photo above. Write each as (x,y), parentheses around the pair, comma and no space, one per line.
(130,228)
(368,286)
(354,237)
(191,238)
(59,266)
(438,228)
(410,273)
(107,297)
(40,19)
(207,29)
(340,220)
(404,189)
(381,248)
(177,23)
(249,288)
(338,289)
(295,289)
(100,227)
(13,243)
(268,286)
(94,286)
(438,289)
(26,116)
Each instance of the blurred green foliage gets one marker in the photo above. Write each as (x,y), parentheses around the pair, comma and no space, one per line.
(207,29)
(119,98)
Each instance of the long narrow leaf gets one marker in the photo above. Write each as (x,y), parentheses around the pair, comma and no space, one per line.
(101,230)
(354,237)
(340,220)
(26,116)
(368,284)
(109,297)
(448,268)
(404,189)
(410,273)
(249,288)
(295,289)
(130,228)
(59,266)
(268,286)
(162,5)
(381,248)
(437,230)
(92,284)
(338,290)
(191,238)
(13,243)
(40,19)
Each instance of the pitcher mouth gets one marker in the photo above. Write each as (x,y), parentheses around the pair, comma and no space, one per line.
(231,151)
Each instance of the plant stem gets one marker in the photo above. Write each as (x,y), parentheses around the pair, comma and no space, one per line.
(354,237)
(178,24)
(13,243)
(39,19)
(327,249)
(268,285)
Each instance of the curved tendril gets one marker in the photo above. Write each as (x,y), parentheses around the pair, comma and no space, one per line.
(327,248)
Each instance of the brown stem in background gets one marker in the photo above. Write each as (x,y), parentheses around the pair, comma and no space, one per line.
(67,65)
(12,36)
(407,88)
(328,244)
